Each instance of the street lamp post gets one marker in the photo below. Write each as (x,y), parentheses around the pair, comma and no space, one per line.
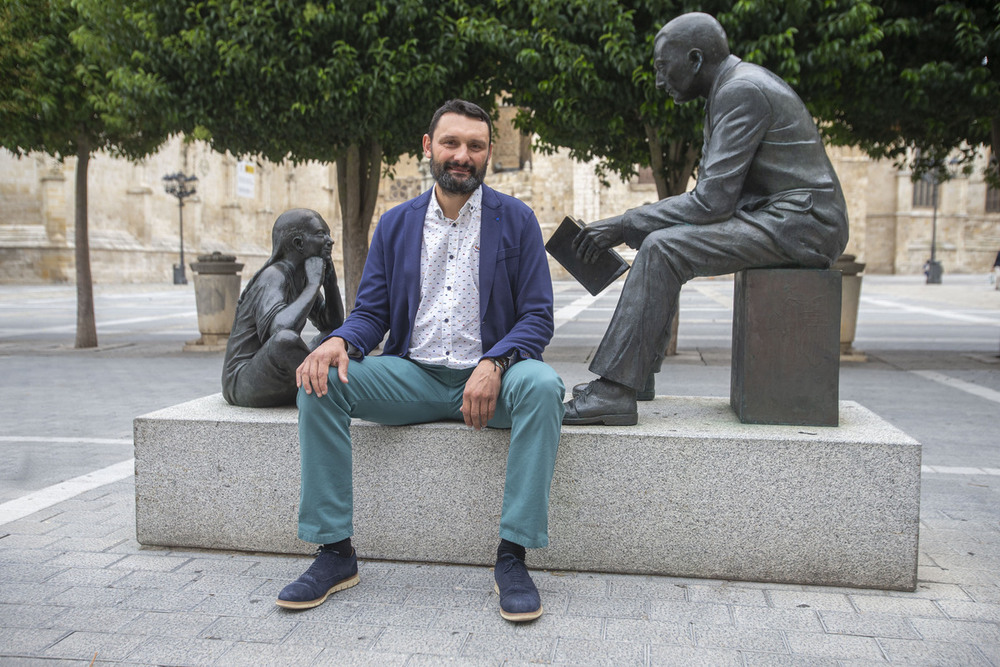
(933,268)
(180,185)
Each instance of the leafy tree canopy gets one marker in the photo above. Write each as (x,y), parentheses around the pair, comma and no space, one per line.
(303,80)
(584,71)
(934,91)
(54,100)
(894,77)
(353,82)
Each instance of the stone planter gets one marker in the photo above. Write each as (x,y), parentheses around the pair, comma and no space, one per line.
(216,291)
(850,299)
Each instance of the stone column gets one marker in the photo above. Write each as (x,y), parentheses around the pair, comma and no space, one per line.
(57,262)
(54,205)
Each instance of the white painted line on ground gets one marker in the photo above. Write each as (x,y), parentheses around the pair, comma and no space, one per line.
(101,326)
(950,470)
(82,441)
(921,342)
(951,315)
(567,313)
(35,501)
(962,385)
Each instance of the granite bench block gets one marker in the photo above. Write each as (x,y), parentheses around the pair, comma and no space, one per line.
(690,491)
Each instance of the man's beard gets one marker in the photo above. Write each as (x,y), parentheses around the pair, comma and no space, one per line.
(456,186)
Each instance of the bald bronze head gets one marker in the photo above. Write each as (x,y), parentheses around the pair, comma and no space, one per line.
(687,53)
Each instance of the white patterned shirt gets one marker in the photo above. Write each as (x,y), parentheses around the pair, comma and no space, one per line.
(446,331)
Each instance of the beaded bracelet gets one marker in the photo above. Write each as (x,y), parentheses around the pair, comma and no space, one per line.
(501,363)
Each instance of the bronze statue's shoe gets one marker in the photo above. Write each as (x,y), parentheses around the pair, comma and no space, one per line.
(647,393)
(602,402)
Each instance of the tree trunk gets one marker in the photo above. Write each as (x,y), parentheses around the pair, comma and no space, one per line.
(672,165)
(86,326)
(995,147)
(672,169)
(359,169)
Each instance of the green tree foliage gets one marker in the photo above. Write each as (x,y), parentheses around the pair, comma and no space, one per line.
(584,71)
(51,100)
(353,82)
(934,92)
(581,71)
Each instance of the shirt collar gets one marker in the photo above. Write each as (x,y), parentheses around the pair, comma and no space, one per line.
(470,207)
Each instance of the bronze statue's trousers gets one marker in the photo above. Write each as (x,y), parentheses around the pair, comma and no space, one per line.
(667,258)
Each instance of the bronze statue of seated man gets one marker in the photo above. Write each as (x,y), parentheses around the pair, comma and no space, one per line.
(767,195)
(297,283)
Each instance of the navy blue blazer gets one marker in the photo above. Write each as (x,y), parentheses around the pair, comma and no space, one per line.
(515,288)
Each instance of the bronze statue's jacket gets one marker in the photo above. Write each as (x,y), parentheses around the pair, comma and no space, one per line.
(763,163)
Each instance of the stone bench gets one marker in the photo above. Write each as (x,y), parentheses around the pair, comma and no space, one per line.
(689,492)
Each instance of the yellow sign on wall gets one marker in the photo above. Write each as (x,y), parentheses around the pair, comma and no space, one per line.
(245,179)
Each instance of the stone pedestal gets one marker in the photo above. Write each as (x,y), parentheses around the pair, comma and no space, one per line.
(689,492)
(786,346)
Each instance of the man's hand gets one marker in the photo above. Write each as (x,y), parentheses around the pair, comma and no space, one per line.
(598,236)
(479,402)
(314,371)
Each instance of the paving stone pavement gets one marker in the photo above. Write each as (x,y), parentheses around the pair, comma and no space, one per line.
(77,589)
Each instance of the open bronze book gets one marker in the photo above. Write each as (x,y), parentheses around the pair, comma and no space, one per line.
(594,277)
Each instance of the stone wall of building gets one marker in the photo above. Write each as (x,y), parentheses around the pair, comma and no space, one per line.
(135,235)
(893,235)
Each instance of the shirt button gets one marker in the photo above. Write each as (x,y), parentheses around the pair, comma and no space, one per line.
(451,257)
(449,287)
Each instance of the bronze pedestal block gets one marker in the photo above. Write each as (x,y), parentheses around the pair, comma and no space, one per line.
(786,347)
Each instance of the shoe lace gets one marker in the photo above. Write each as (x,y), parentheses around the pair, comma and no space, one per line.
(315,565)
(515,572)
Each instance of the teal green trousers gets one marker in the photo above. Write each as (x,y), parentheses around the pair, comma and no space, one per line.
(395,391)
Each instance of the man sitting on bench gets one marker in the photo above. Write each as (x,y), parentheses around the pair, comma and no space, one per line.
(458,277)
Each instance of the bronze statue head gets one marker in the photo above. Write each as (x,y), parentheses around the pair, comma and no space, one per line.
(687,52)
(301,233)
(297,234)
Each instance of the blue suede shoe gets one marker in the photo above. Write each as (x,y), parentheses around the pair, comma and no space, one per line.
(329,573)
(519,599)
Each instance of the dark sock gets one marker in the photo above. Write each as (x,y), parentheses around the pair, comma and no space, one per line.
(342,548)
(510,548)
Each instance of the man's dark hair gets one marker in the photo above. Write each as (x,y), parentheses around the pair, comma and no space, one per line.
(464,108)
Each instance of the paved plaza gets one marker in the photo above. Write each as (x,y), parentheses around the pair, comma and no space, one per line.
(77,589)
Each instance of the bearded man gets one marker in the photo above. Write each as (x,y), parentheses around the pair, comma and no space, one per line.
(458,278)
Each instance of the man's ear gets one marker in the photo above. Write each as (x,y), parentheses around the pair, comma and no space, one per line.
(298,243)
(696,59)
(427,145)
